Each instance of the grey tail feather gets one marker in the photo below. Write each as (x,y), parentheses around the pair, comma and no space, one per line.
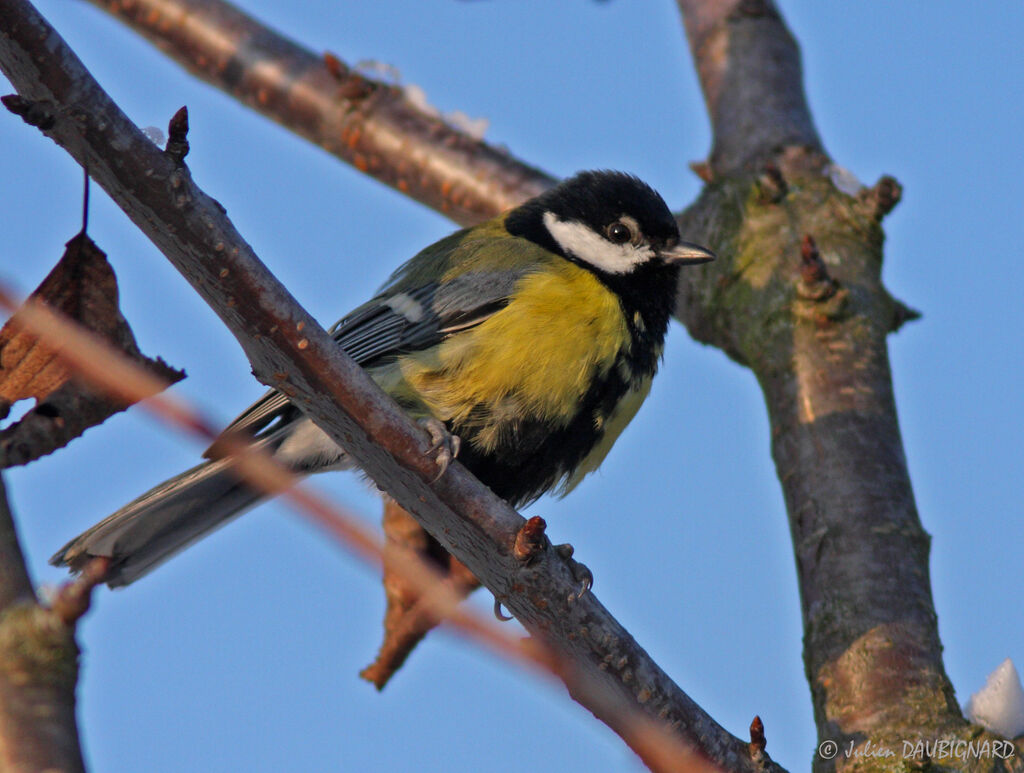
(168,518)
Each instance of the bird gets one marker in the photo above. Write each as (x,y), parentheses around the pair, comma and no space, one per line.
(524,344)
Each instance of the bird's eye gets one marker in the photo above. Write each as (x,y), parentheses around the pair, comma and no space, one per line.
(619,232)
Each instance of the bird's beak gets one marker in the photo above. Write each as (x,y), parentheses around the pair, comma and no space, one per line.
(685,254)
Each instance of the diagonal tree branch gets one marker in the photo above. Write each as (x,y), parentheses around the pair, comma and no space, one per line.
(364,122)
(291,352)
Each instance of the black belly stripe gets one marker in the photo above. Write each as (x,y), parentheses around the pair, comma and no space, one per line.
(532,457)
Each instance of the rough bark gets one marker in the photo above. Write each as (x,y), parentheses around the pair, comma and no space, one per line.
(38,670)
(797,296)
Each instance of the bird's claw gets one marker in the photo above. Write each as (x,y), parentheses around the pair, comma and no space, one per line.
(443,444)
(498,613)
(580,572)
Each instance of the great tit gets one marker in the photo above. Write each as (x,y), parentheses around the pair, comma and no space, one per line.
(533,337)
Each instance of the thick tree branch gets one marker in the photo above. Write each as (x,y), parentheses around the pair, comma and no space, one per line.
(797,296)
(291,352)
(15,584)
(38,668)
(364,122)
(749,68)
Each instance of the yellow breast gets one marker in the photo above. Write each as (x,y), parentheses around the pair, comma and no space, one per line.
(535,358)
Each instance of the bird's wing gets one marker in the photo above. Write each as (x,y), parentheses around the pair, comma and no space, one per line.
(409,314)
(416,318)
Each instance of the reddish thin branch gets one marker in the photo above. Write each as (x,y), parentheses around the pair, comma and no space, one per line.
(291,352)
(364,122)
(114,374)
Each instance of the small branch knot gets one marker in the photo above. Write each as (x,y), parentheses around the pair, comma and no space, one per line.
(38,114)
(337,68)
(771,184)
(883,196)
(757,740)
(814,284)
(177,136)
(901,315)
(703,170)
(530,540)
(73,599)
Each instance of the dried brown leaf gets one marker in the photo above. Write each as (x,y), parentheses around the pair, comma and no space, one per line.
(406,619)
(83,287)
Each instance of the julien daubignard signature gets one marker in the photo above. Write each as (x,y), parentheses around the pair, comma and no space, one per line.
(933,749)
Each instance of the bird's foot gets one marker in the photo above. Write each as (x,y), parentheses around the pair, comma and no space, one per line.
(531,542)
(443,444)
(580,572)
(502,617)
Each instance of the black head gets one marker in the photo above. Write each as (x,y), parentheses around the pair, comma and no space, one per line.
(610,222)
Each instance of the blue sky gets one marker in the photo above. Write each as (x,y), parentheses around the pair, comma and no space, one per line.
(243,653)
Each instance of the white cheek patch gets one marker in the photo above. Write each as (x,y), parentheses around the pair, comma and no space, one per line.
(581,242)
(406,305)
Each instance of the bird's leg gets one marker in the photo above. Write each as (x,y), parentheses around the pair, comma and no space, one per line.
(580,572)
(444,444)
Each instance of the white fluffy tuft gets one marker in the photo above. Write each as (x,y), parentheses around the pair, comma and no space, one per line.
(999,705)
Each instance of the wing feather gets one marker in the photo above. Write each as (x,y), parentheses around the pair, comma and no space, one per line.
(402,318)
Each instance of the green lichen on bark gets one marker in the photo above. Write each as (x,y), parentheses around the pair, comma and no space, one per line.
(37,648)
(966,749)
(38,673)
(797,295)
(746,303)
